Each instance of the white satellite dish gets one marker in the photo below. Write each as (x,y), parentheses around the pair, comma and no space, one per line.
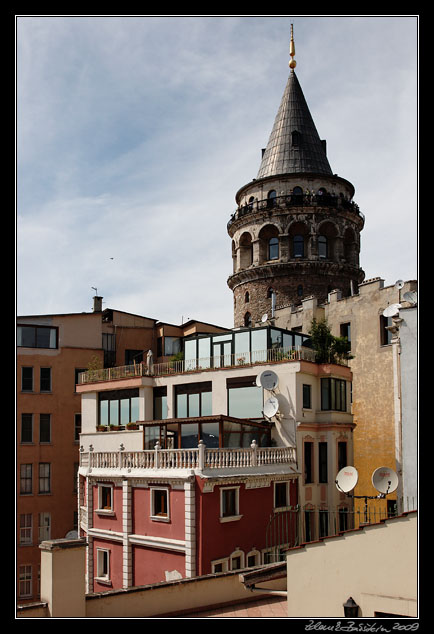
(346,479)
(385,480)
(411,297)
(391,310)
(71,535)
(271,407)
(268,380)
(399,284)
(264,318)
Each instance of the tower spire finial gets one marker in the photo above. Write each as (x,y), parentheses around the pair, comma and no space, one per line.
(292,63)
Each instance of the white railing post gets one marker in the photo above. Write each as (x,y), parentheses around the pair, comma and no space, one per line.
(201,447)
(254,453)
(157,455)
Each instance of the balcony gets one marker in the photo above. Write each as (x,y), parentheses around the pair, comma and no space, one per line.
(237,360)
(201,460)
(300,200)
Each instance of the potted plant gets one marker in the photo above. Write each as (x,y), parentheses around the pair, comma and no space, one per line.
(101,428)
(132,426)
(114,427)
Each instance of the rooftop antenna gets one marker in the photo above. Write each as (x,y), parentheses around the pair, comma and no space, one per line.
(95,289)
(398,285)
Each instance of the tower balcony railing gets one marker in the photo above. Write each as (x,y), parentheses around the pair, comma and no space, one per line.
(236,360)
(297,200)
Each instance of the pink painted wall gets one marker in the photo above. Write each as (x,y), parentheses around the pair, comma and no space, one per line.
(150,565)
(144,525)
(217,540)
(115,549)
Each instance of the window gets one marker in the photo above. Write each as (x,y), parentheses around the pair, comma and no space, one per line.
(44,477)
(119,407)
(271,198)
(322,247)
(385,335)
(44,526)
(77,426)
(298,244)
(247,320)
(247,297)
(308,462)
(45,380)
(77,373)
(296,138)
(309,522)
(109,347)
(333,395)
(160,503)
(323,523)
(346,332)
(220,565)
(342,455)
(273,249)
(105,497)
(343,519)
(322,462)
(194,399)
(26,526)
(44,428)
(102,564)
(236,560)
(26,428)
(133,356)
(307,396)
(229,504)
(245,398)
(300,290)
(27,379)
(172,345)
(25,581)
(281,495)
(36,337)
(26,478)
(253,558)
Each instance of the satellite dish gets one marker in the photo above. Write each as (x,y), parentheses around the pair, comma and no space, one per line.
(391,310)
(346,479)
(264,318)
(411,297)
(71,535)
(268,380)
(385,480)
(399,284)
(271,407)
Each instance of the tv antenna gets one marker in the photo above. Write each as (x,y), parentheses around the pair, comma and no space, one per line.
(383,479)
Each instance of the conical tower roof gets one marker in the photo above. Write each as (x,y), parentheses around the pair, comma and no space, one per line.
(294,145)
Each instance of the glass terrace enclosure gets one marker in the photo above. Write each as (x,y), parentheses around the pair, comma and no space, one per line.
(238,347)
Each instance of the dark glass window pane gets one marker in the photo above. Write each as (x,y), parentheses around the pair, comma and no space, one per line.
(45,428)
(28,336)
(26,428)
(27,379)
(45,385)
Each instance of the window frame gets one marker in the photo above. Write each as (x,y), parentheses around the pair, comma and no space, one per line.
(225,515)
(281,484)
(307,396)
(38,328)
(323,462)
(44,479)
(26,529)
(273,248)
(43,422)
(45,380)
(26,421)
(25,579)
(105,510)
(27,379)
(334,397)
(159,517)
(25,479)
(103,565)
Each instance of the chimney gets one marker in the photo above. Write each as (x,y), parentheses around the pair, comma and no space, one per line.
(97,304)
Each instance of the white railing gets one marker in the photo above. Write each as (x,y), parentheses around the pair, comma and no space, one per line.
(239,359)
(200,458)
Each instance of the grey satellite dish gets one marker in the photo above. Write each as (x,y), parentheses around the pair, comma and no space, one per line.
(399,284)
(268,380)
(411,297)
(385,480)
(264,318)
(71,535)
(258,381)
(271,407)
(346,479)
(391,310)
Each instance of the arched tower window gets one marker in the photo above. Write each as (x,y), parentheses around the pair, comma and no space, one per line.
(322,247)
(298,244)
(247,297)
(247,320)
(271,198)
(273,249)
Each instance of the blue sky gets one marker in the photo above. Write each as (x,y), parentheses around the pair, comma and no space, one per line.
(134,134)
